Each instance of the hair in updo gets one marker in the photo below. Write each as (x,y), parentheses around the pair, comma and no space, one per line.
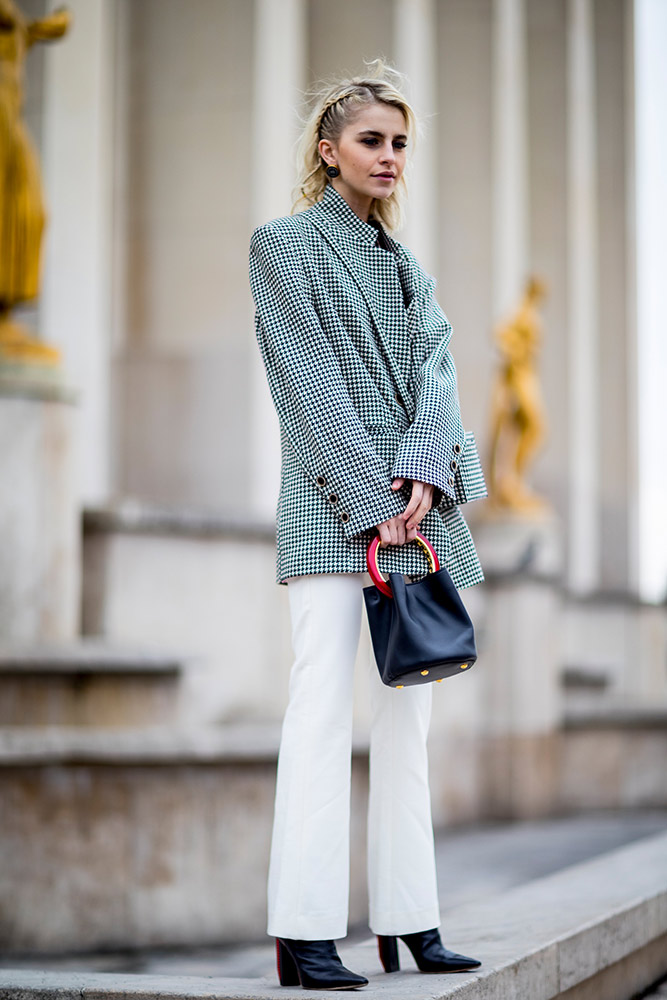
(335,105)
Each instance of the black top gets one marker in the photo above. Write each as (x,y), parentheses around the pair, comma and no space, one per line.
(382,240)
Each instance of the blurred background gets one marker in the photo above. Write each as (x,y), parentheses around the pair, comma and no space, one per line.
(145,645)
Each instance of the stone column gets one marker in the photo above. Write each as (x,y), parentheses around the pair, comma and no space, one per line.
(582,326)
(651,262)
(520,660)
(510,156)
(519,623)
(632,333)
(279,79)
(414,47)
(40,557)
(78,148)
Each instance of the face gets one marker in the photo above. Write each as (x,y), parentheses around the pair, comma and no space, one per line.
(370,153)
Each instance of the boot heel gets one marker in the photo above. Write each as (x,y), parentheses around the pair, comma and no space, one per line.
(288,974)
(388,948)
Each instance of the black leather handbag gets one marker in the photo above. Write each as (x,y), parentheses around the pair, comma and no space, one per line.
(421,631)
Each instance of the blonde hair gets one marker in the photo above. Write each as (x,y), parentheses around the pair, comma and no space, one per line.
(335,105)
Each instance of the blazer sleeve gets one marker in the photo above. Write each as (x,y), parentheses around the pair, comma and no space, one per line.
(314,407)
(436,449)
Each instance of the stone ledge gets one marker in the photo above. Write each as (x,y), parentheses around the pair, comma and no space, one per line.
(537,942)
(38,382)
(590,678)
(134,517)
(617,716)
(87,655)
(164,746)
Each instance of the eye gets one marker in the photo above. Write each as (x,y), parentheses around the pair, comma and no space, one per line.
(400,145)
(370,141)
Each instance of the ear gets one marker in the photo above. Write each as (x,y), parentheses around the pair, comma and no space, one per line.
(48,28)
(328,151)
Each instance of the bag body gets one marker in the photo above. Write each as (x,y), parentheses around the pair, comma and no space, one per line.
(422,632)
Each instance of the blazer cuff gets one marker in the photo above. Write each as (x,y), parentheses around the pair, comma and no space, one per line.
(358,511)
(469,481)
(458,476)
(470,471)
(424,472)
(363,516)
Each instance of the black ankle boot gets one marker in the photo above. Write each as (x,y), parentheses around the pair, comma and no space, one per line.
(428,952)
(315,965)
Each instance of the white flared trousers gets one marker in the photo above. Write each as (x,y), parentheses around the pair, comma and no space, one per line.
(308,887)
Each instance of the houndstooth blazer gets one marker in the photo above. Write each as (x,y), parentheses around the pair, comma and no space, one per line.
(356,352)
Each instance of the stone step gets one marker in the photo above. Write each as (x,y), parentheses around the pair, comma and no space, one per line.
(87,682)
(181,817)
(595,929)
(191,814)
(612,755)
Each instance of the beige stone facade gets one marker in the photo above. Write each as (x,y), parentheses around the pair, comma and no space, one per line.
(166,129)
(182,97)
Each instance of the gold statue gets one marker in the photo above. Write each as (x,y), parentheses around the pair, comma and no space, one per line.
(22,213)
(518,424)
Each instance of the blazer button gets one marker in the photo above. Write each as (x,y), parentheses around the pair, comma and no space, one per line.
(451,480)
(456,448)
(345,517)
(321,481)
(453,465)
(333,498)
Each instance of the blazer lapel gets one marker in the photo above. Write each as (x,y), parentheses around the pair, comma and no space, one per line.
(345,245)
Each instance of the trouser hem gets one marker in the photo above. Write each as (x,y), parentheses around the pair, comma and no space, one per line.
(307,928)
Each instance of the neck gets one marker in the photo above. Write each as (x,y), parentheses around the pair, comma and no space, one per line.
(359,203)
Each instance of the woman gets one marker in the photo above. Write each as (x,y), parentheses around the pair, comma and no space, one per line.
(355,350)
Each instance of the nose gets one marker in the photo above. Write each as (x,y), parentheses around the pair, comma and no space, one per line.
(387,154)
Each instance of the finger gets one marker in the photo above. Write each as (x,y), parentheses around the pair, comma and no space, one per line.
(415,520)
(393,531)
(413,503)
(397,483)
(415,500)
(400,532)
(425,504)
(383,532)
(425,509)
(418,515)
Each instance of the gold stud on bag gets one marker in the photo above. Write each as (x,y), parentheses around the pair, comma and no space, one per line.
(421,631)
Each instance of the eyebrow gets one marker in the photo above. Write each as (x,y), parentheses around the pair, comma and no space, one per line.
(370,131)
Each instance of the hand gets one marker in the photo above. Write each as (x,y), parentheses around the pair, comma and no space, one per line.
(403,527)
(420,503)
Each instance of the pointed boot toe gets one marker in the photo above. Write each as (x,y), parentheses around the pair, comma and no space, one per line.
(428,952)
(314,965)
(431,955)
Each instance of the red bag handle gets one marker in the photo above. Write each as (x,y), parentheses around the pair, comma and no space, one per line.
(374,569)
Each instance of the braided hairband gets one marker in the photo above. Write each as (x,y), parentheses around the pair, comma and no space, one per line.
(327,108)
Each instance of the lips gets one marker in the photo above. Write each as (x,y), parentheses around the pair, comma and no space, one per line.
(386,177)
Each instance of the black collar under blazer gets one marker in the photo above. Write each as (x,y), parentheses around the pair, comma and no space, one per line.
(356,351)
